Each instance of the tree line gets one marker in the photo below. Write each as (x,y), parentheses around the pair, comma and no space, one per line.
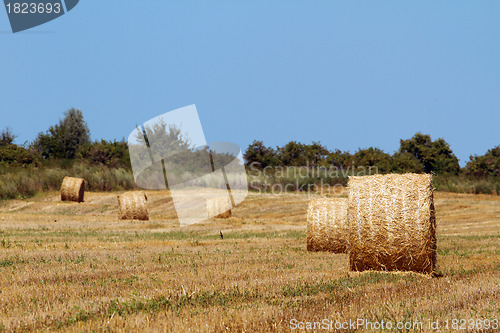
(69,140)
(66,141)
(419,154)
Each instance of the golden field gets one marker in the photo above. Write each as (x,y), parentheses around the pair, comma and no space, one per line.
(76,267)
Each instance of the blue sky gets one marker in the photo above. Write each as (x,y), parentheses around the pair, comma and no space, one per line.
(351,74)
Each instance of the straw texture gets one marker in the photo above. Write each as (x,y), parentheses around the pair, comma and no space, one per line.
(219,208)
(132,206)
(327,228)
(392,223)
(72,189)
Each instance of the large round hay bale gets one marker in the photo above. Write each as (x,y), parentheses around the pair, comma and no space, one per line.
(219,207)
(392,223)
(132,206)
(327,228)
(72,189)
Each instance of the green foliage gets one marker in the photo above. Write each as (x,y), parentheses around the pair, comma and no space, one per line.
(316,153)
(65,138)
(7,137)
(485,165)
(406,162)
(12,155)
(339,159)
(297,166)
(435,156)
(299,154)
(260,156)
(105,165)
(163,139)
(50,144)
(374,159)
(76,132)
(418,154)
(293,154)
(182,160)
(107,153)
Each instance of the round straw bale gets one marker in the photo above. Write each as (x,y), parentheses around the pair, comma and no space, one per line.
(327,225)
(219,208)
(132,206)
(392,223)
(72,189)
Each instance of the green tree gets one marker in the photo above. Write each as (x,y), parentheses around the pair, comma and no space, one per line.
(315,154)
(162,137)
(339,159)
(293,154)
(372,158)
(75,132)
(299,154)
(65,138)
(485,165)
(435,156)
(7,137)
(112,154)
(260,156)
(405,162)
(13,155)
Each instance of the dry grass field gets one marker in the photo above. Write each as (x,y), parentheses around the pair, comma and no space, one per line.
(76,267)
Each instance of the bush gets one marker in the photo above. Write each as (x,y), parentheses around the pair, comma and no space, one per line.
(486,165)
(12,155)
(65,138)
(7,137)
(435,156)
(260,156)
(406,162)
(374,158)
(111,154)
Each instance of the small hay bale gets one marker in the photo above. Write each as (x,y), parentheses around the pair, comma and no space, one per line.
(219,208)
(132,206)
(72,189)
(327,225)
(392,223)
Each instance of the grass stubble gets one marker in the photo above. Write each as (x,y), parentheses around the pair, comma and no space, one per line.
(76,267)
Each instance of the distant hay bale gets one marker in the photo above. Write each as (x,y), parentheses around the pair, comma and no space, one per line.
(327,225)
(219,208)
(72,189)
(132,206)
(392,223)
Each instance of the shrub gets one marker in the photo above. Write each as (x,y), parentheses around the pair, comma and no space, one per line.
(405,162)
(111,154)
(258,155)
(373,157)
(435,156)
(485,165)
(65,138)
(12,155)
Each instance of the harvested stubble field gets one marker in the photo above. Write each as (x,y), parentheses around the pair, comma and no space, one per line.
(76,267)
